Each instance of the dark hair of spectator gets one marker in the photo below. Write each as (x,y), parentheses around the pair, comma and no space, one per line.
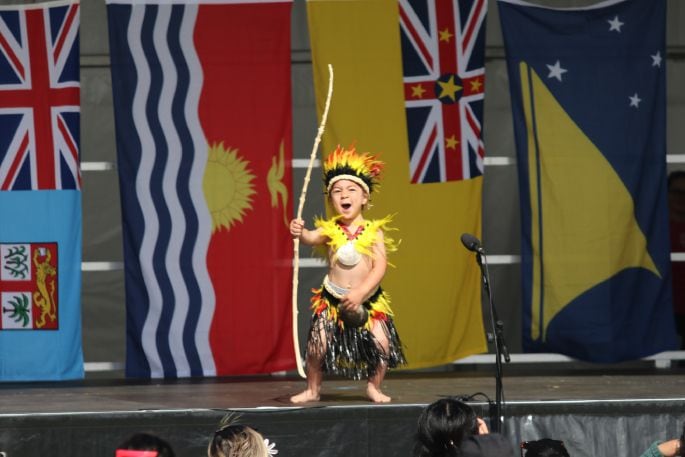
(443,426)
(544,448)
(148,442)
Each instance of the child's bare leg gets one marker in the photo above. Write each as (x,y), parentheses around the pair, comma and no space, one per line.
(373,386)
(315,352)
(313,390)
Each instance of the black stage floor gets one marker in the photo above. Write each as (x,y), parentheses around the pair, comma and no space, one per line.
(104,395)
(88,418)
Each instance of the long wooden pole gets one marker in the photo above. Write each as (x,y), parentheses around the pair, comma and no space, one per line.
(296,241)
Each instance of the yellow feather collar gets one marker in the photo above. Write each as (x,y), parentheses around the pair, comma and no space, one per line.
(364,241)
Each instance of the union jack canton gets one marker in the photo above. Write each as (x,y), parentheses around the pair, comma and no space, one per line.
(39,97)
(443,46)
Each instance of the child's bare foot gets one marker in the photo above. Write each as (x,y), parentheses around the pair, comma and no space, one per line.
(305,396)
(375,395)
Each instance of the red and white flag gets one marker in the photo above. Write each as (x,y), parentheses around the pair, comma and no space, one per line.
(203,124)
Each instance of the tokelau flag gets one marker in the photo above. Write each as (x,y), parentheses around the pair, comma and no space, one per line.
(409,85)
(203,125)
(588,91)
(40,193)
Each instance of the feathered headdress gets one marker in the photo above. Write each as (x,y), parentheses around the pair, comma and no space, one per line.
(361,168)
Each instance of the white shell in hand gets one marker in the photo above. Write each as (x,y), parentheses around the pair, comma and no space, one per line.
(348,255)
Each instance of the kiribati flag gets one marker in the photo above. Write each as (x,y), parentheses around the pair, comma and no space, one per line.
(203,126)
(443,44)
(588,89)
(40,198)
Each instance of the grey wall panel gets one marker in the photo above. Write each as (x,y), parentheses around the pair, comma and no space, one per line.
(101,217)
(103,317)
(675,105)
(97,114)
(94,28)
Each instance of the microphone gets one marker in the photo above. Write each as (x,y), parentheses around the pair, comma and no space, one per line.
(471,243)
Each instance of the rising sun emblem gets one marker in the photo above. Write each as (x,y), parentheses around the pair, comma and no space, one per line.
(227,186)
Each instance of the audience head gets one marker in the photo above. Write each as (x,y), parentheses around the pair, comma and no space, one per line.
(235,440)
(442,427)
(544,448)
(144,445)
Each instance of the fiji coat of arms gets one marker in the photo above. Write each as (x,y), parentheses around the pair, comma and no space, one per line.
(28,286)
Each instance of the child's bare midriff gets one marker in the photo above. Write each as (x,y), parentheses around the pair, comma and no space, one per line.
(346,276)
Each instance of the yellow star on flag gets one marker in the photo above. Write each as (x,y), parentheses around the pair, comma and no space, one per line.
(417,91)
(445,35)
(475,85)
(451,142)
(449,89)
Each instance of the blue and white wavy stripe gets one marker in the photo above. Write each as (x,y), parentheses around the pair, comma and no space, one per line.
(204,229)
(143,192)
(176,224)
(172,260)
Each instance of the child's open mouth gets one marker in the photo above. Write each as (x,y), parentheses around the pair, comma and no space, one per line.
(346,205)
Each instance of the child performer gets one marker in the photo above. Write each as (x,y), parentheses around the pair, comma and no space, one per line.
(352,332)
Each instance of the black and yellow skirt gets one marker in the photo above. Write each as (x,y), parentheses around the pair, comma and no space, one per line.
(343,342)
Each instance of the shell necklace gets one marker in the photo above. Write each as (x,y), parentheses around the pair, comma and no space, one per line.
(347,254)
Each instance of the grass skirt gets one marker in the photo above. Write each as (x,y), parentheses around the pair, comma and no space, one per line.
(344,344)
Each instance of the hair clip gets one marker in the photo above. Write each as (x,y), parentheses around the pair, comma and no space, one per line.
(135,453)
(270,447)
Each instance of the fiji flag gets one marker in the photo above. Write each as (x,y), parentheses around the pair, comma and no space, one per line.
(40,196)
(203,126)
(588,93)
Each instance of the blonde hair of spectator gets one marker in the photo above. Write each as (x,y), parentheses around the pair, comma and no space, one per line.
(232,439)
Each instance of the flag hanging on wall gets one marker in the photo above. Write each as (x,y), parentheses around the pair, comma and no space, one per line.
(203,126)
(588,94)
(40,193)
(409,85)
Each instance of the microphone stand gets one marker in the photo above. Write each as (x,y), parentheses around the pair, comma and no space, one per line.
(498,337)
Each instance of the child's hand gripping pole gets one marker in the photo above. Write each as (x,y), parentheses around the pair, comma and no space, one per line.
(296,241)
